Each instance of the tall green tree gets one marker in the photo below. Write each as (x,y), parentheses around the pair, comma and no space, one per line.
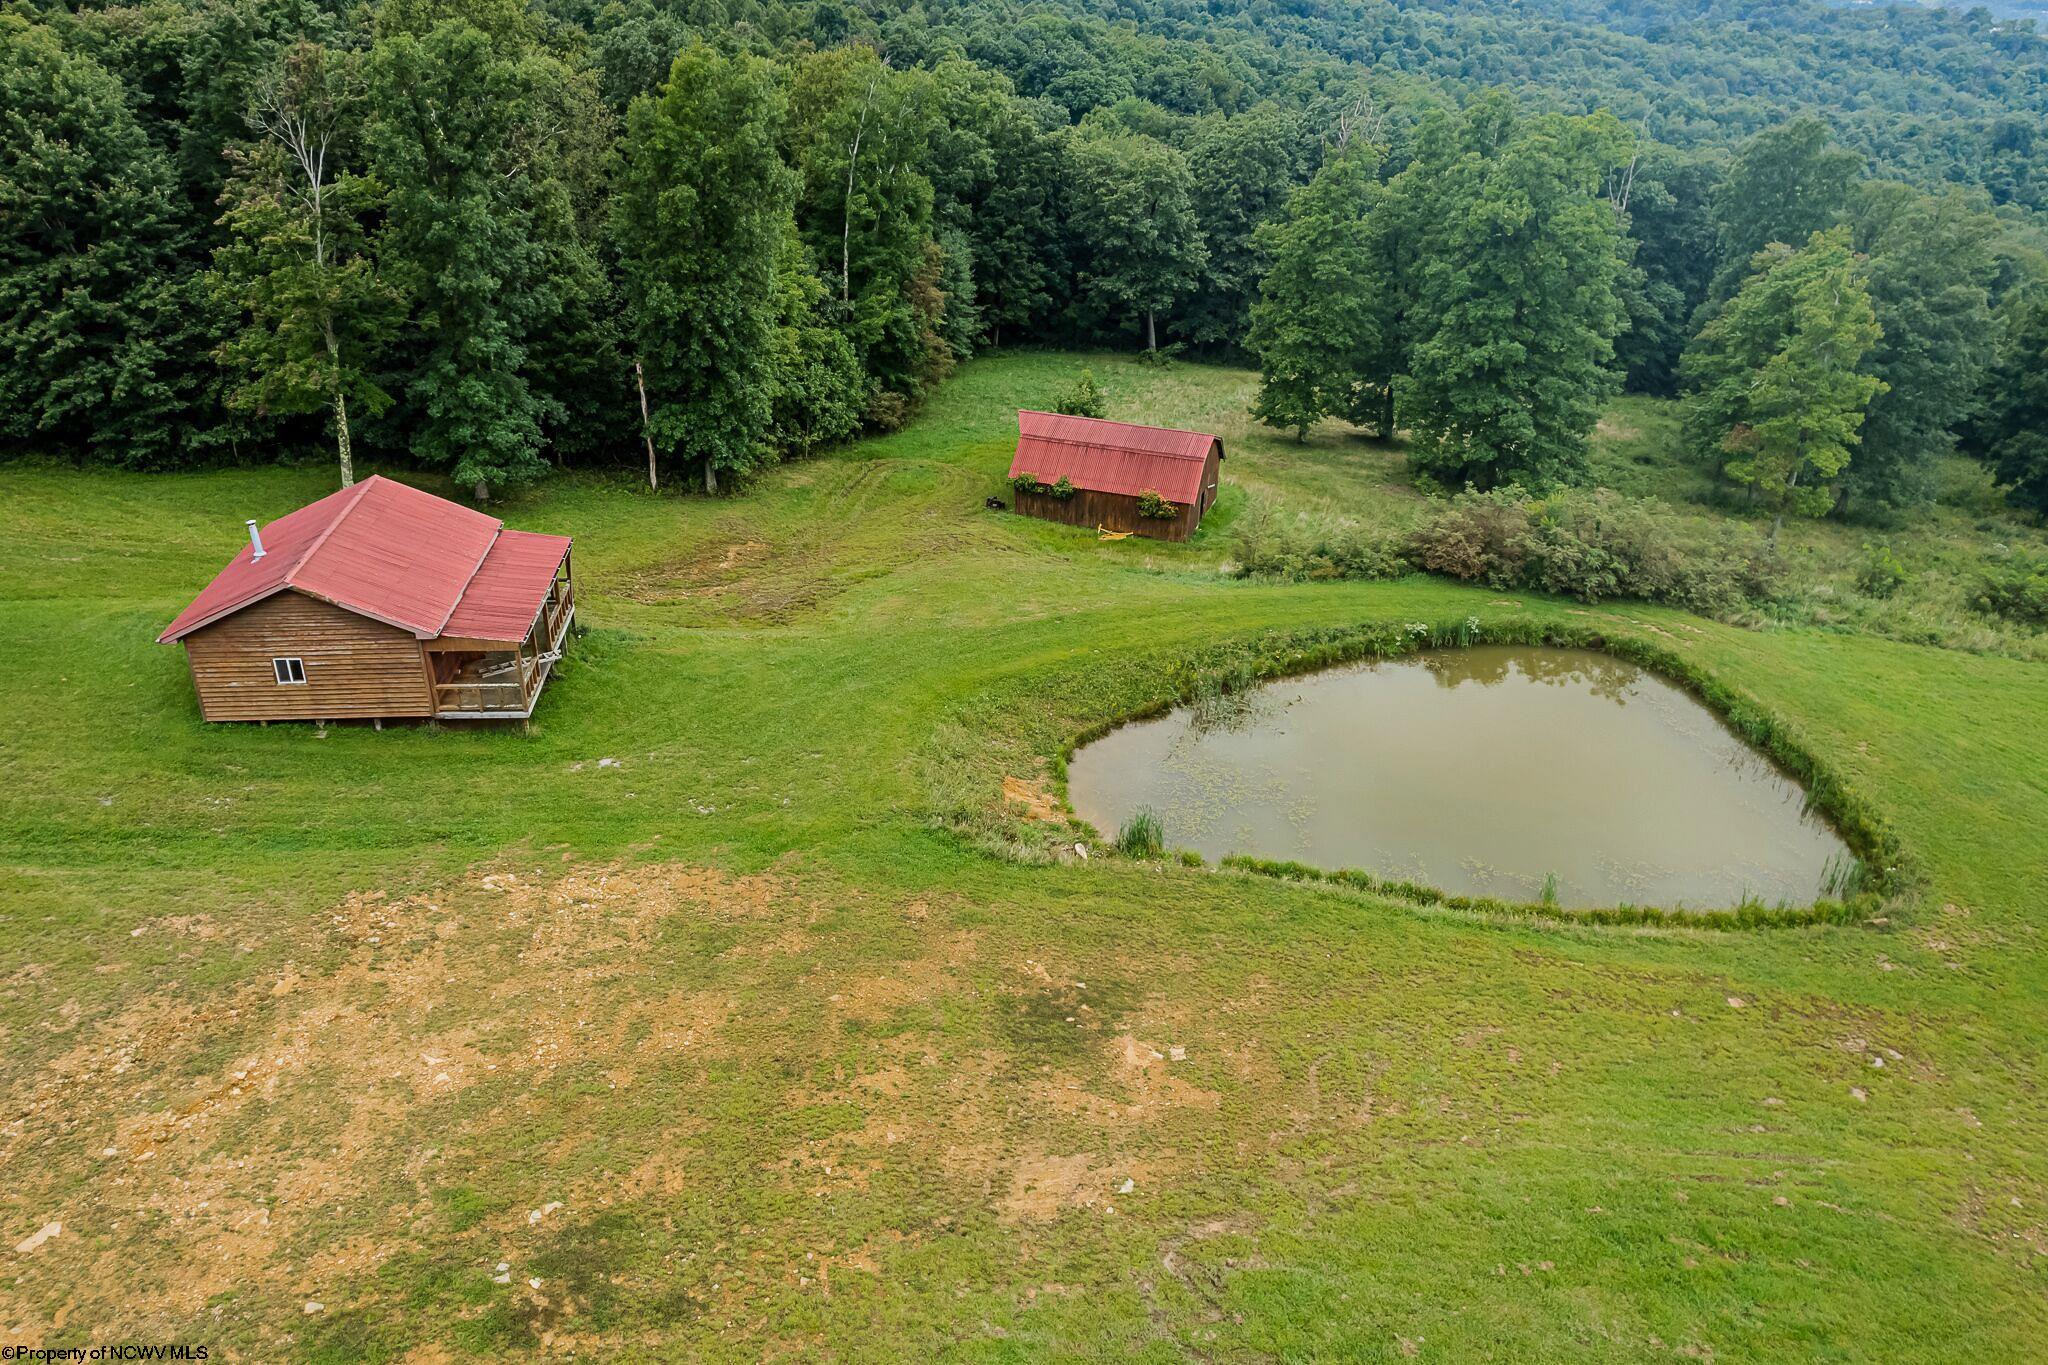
(1245,168)
(995,170)
(820,390)
(701,217)
(1785,184)
(296,269)
(1931,267)
(93,287)
(1323,328)
(2013,429)
(1516,300)
(467,128)
(859,134)
(1781,377)
(1131,211)
(1665,198)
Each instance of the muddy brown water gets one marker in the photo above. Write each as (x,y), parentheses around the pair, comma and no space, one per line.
(1482,771)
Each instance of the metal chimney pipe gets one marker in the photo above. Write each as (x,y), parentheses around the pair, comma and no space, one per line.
(255,540)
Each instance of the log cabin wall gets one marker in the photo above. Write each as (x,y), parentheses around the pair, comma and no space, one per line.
(355,667)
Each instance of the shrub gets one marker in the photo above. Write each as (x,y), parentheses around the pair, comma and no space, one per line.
(1881,574)
(886,411)
(1593,545)
(1151,504)
(1082,400)
(1477,537)
(1031,483)
(1268,545)
(1142,836)
(2016,590)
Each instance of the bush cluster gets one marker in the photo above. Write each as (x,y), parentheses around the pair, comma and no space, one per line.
(1031,483)
(2016,590)
(1881,575)
(1269,545)
(1590,545)
(1082,400)
(1151,504)
(1593,545)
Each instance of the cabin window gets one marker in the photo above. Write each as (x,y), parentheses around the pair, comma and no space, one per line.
(288,670)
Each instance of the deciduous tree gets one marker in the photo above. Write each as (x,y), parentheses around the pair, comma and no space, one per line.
(1785,184)
(702,218)
(1931,268)
(1324,328)
(1516,302)
(1780,378)
(2013,429)
(1132,214)
(93,293)
(314,311)
(468,122)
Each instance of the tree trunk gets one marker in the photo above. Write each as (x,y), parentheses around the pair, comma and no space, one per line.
(481,492)
(646,432)
(710,477)
(348,463)
(1151,332)
(348,466)
(1387,412)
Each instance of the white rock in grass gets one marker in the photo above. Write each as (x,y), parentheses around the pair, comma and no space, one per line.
(313,1306)
(38,1237)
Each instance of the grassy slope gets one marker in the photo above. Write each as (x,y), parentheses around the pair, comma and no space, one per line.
(807,1073)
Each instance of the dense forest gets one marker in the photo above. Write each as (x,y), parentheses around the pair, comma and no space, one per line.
(491,237)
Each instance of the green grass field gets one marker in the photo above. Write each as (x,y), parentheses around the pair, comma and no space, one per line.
(755,1042)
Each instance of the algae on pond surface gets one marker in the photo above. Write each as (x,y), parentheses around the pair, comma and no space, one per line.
(1524,773)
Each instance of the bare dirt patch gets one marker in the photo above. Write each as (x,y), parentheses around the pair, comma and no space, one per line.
(1031,799)
(273,1141)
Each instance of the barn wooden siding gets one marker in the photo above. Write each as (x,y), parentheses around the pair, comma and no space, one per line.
(355,667)
(1119,511)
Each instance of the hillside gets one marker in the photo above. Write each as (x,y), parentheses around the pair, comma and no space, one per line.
(729,1013)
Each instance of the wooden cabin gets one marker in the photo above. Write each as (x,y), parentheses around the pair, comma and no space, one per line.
(380,602)
(1111,467)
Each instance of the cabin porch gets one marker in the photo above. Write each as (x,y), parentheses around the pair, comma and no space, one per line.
(492,680)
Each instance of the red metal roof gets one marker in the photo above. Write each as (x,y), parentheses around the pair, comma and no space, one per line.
(1112,457)
(379,548)
(510,585)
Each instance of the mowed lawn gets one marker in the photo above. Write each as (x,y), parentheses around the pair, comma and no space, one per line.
(762,1039)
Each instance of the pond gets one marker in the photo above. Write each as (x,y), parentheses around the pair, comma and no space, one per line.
(1484,771)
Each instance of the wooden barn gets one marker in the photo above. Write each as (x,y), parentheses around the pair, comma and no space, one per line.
(380,602)
(1112,467)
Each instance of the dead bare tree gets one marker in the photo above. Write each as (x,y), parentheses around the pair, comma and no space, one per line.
(297,107)
(1364,119)
(1621,181)
(852,166)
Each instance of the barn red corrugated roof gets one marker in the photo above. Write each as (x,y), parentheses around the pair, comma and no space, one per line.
(510,585)
(1112,457)
(379,548)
